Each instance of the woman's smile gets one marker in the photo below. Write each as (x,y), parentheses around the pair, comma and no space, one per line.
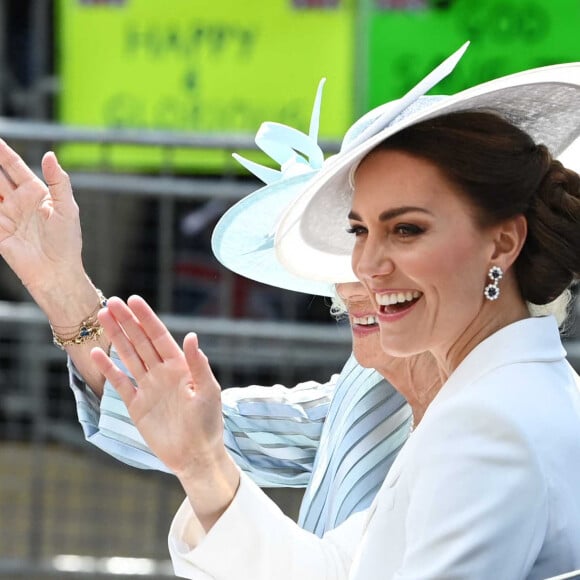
(394,306)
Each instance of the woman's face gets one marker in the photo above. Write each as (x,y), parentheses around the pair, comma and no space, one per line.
(419,253)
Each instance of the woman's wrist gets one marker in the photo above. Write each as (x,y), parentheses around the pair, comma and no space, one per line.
(71,307)
(89,329)
(210,486)
(67,299)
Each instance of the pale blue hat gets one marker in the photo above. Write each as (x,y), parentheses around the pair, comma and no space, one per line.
(243,239)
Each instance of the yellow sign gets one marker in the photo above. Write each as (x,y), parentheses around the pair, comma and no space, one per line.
(200,65)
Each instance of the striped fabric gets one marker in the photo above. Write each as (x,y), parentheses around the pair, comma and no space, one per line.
(367,424)
(337,438)
(272,432)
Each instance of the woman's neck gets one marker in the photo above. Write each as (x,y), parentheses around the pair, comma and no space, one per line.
(421,376)
(417,378)
(491,318)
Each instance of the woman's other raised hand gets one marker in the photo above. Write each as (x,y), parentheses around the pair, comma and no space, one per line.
(176,404)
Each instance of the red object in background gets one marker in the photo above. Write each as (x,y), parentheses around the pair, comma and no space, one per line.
(199,283)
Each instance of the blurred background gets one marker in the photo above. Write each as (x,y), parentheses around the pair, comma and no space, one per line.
(144,102)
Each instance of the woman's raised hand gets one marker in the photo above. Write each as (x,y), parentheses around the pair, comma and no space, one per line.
(40,234)
(176,405)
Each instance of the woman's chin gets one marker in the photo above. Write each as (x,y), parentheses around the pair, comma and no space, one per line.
(400,348)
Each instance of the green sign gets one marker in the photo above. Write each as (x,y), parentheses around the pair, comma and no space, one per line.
(200,65)
(507,36)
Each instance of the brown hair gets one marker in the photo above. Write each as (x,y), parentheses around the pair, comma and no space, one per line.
(503,172)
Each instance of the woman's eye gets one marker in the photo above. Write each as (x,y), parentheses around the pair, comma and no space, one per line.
(408,230)
(356,230)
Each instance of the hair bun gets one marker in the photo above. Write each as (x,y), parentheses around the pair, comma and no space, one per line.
(550,261)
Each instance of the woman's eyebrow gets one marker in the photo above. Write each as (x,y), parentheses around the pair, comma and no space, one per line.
(391,213)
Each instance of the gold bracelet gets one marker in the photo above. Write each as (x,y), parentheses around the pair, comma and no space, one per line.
(89,329)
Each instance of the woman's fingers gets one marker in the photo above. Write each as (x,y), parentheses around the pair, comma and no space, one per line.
(57,179)
(114,375)
(153,327)
(10,163)
(120,340)
(13,166)
(203,377)
(134,331)
(14,172)
(138,335)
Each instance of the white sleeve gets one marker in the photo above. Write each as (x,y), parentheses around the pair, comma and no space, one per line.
(254,540)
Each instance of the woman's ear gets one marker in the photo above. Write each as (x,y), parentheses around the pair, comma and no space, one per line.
(509,239)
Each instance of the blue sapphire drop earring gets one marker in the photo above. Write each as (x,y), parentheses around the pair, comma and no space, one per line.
(491,291)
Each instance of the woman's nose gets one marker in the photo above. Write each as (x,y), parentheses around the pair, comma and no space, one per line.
(371,261)
(351,290)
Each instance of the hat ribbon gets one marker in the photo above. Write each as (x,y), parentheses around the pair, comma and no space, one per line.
(295,152)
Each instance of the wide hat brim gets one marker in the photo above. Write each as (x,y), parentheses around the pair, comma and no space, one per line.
(311,238)
(243,238)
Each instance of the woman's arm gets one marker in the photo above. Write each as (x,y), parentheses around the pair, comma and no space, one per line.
(177,408)
(40,239)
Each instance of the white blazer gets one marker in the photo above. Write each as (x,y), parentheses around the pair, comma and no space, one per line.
(487,487)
